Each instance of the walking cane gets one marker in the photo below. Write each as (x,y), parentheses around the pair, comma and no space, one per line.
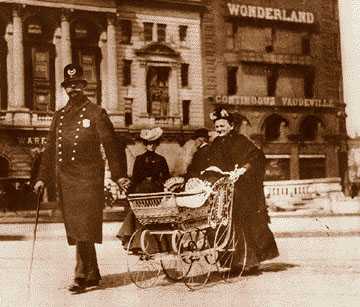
(39,195)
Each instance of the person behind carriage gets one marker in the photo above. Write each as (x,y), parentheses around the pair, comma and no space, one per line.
(200,159)
(149,174)
(249,213)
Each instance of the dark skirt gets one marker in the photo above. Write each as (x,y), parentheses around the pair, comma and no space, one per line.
(260,241)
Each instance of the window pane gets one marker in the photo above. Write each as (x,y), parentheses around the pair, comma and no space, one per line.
(148,34)
(126,31)
(161,30)
(184,74)
(127,72)
(232,80)
(182,33)
(312,168)
(186,112)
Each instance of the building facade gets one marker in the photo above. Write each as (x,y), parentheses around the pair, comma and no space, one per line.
(142,62)
(278,65)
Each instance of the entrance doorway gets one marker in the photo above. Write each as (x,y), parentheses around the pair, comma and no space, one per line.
(157,88)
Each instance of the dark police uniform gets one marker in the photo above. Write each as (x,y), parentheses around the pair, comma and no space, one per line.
(74,160)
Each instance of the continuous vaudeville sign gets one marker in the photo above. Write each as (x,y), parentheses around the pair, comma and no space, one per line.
(269,13)
(275,101)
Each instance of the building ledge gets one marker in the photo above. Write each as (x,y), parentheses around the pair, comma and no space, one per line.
(275,58)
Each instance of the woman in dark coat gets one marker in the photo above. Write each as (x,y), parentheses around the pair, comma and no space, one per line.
(249,211)
(149,174)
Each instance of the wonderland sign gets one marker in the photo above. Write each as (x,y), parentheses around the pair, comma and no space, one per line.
(275,101)
(269,13)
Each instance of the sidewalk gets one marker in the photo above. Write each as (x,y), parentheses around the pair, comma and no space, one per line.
(284,225)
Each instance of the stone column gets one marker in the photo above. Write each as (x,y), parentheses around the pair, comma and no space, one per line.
(103,69)
(112,103)
(66,55)
(140,103)
(294,162)
(174,84)
(18,61)
(59,75)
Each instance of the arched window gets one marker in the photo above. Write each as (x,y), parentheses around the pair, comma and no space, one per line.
(86,52)
(276,128)
(4,167)
(39,55)
(311,128)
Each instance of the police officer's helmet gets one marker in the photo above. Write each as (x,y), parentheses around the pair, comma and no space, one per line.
(73,74)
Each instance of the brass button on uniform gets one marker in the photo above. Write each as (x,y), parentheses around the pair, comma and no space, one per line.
(60,160)
(72,158)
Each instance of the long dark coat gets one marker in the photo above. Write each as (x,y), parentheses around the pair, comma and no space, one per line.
(249,210)
(199,162)
(73,158)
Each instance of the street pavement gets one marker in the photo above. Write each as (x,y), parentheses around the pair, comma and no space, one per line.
(317,270)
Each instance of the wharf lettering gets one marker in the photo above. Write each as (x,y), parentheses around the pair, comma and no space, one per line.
(275,101)
(269,13)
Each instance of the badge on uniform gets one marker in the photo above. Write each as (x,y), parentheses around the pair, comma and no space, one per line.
(86,123)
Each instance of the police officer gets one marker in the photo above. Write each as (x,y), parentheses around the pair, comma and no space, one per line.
(74,160)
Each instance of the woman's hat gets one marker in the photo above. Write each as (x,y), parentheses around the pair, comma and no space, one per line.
(73,73)
(151,135)
(201,133)
(221,114)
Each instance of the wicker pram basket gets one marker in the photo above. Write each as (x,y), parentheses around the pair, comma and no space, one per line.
(162,208)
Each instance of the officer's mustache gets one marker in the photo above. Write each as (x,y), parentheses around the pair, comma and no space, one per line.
(75,91)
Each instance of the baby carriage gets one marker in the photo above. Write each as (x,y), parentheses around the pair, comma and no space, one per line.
(186,236)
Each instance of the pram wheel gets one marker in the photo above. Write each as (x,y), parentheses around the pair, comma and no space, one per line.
(192,250)
(225,244)
(144,269)
(171,263)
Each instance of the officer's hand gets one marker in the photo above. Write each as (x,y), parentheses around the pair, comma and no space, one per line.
(39,185)
(123,183)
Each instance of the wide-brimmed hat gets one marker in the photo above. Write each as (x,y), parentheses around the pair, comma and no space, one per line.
(73,73)
(151,135)
(201,133)
(221,114)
